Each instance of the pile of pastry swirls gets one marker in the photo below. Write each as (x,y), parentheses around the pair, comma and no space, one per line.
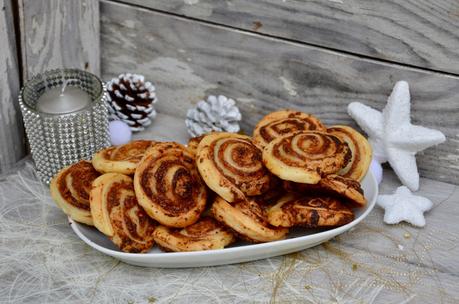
(221,187)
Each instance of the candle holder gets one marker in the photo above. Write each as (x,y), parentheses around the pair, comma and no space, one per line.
(60,139)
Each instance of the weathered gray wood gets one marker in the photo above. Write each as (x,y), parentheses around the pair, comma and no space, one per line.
(59,33)
(165,128)
(188,60)
(421,33)
(11,131)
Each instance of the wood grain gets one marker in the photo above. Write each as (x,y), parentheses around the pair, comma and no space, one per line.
(11,131)
(59,33)
(188,59)
(420,33)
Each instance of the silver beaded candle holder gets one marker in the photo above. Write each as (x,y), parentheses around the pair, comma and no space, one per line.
(59,138)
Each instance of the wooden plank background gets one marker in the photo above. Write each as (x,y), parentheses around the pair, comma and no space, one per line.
(59,33)
(413,32)
(12,146)
(189,59)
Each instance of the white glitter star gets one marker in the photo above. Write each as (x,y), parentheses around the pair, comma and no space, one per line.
(393,137)
(404,206)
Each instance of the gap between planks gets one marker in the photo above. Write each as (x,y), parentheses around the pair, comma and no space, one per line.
(295,42)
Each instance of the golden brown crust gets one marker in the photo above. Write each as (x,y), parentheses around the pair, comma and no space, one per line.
(70,190)
(121,159)
(168,185)
(306,156)
(247,219)
(283,122)
(193,144)
(361,152)
(309,211)
(117,214)
(232,166)
(346,189)
(206,234)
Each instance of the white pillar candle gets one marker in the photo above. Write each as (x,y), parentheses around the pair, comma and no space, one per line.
(63,100)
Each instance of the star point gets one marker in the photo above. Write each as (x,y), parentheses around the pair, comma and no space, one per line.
(403,205)
(393,137)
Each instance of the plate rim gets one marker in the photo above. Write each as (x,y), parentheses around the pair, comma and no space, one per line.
(327,234)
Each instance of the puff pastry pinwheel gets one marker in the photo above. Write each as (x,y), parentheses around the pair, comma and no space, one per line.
(193,144)
(121,159)
(346,189)
(247,219)
(168,185)
(309,211)
(361,151)
(284,122)
(70,190)
(117,214)
(306,156)
(206,234)
(232,166)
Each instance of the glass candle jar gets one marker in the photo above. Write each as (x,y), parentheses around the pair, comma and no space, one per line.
(65,118)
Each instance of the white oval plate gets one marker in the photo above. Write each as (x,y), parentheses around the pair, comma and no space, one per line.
(297,240)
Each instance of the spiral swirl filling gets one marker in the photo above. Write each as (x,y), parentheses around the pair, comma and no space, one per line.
(353,145)
(285,126)
(239,161)
(299,149)
(129,152)
(75,184)
(327,203)
(173,183)
(326,209)
(126,214)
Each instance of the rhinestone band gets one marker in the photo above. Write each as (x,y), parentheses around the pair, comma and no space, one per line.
(57,141)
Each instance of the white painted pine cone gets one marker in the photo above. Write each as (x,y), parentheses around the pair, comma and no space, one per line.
(217,113)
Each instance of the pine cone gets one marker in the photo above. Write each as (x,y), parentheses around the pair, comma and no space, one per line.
(131,100)
(215,114)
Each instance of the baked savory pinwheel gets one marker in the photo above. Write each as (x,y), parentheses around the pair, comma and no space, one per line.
(193,144)
(206,234)
(293,172)
(361,152)
(168,185)
(284,122)
(121,159)
(306,156)
(232,166)
(346,189)
(248,219)
(70,190)
(117,214)
(309,211)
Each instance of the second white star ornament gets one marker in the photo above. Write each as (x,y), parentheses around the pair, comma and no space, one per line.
(404,206)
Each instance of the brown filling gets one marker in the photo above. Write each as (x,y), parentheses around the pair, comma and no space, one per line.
(130,152)
(83,174)
(329,209)
(328,146)
(284,126)
(254,211)
(245,155)
(114,200)
(205,227)
(351,154)
(185,186)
